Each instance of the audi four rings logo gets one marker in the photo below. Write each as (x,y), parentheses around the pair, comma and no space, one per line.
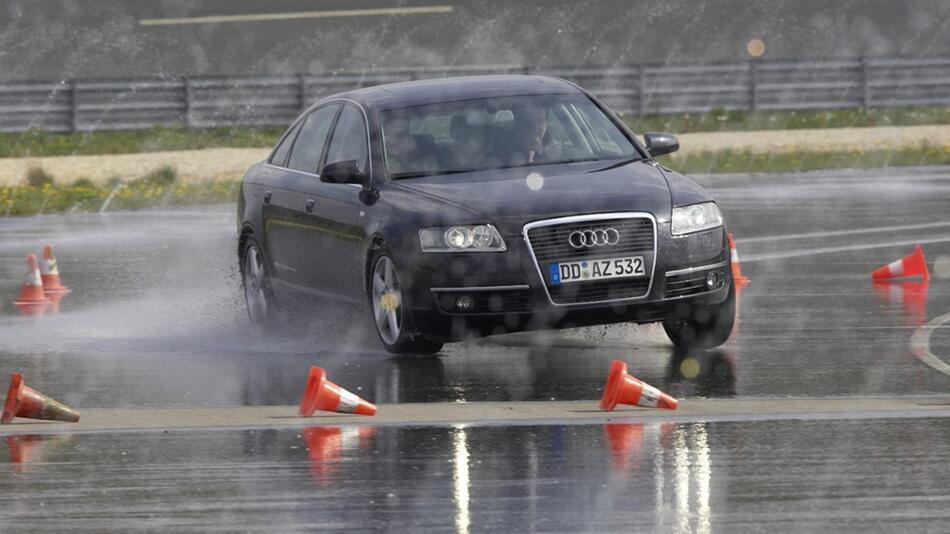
(594,238)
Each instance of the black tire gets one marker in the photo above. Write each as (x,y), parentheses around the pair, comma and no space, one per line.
(391,318)
(264,312)
(705,327)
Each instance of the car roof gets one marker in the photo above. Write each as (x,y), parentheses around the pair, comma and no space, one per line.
(419,92)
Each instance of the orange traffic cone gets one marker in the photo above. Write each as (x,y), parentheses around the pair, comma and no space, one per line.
(622,388)
(32,291)
(736,270)
(24,401)
(49,272)
(911,265)
(321,394)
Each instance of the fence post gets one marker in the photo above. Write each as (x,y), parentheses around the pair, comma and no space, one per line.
(302,90)
(753,86)
(641,90)
(189,103)
(865,84)
(73,106)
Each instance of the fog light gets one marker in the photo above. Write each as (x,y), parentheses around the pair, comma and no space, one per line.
(712,279)
(464,303)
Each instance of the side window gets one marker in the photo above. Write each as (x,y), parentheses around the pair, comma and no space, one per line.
(280,153)
(308,147)
(349,139)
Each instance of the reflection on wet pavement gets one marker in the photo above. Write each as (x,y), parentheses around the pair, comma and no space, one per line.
(697,477)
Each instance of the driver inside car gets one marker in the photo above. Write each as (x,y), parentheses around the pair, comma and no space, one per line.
(529,140)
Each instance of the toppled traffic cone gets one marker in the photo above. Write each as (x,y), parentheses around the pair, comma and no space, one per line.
(31,293)
(321,394)
(622,388)
(736,270)
(49,273)
(909,266)
(24,401)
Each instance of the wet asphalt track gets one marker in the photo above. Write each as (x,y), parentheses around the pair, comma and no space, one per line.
(156,320)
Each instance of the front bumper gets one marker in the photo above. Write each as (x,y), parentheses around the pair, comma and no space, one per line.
(453,296)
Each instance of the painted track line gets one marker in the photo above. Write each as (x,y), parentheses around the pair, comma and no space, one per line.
(765,256)
(263,17)
(841,233)
(490,414)
(920,344)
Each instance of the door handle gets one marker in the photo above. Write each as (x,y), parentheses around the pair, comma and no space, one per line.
(309,205)
(267,197)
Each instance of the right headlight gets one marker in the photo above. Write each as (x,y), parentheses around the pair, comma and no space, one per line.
(468,238)
(696,218)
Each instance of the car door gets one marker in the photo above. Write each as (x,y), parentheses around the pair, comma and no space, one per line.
(333,248)
(284,197)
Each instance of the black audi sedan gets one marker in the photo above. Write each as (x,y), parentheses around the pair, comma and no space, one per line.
(482,205)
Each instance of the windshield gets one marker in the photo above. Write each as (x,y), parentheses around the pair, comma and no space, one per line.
(493,133)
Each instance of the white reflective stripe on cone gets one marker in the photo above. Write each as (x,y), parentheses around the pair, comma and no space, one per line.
(48,266)
(735,256)
(348,402)
(33,278)
(649,396)
(896,268)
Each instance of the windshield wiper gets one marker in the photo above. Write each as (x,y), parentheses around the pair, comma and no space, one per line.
(422,174)
(544,162)
(620,163)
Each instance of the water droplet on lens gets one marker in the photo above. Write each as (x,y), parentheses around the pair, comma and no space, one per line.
(535,181)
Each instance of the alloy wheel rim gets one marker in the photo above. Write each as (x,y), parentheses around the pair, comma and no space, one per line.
(254,285)
(387,298)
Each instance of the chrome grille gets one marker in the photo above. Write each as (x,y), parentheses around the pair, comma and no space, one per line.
(548,241)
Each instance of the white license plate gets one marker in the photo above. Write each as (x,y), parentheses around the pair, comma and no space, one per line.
(603,269)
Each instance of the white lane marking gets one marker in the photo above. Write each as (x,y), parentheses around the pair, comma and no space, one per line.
(920,344)
(831,250)
(836,233)
(337,13)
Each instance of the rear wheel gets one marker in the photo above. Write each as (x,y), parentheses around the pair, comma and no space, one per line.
(391,314)
(704,327)
(262,306)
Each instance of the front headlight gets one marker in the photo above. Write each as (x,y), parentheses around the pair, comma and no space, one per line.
(471,238)
(695,218)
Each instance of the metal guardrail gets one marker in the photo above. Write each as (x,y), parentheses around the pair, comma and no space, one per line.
(200,102)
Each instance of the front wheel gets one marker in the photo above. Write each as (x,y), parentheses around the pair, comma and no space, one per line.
(390,314)
(704,327)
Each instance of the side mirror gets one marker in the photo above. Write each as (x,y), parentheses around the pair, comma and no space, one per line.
(342,172)
(660,143)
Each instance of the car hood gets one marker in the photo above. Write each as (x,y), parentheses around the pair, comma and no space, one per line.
(512,197)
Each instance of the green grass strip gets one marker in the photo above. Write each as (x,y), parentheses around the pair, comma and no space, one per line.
(39,144)
(87,197)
